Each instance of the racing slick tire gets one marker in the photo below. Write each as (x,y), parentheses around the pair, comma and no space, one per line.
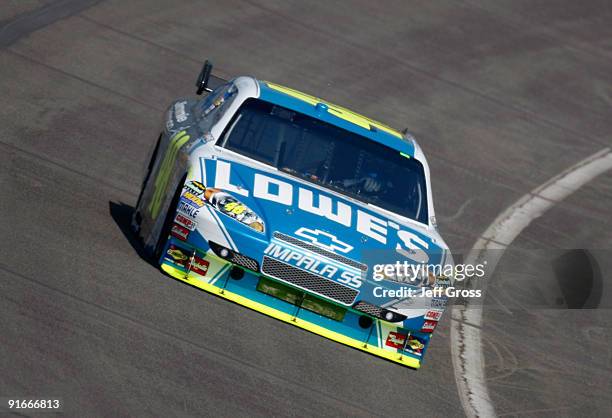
(165,231)
(137,217)
(149,170)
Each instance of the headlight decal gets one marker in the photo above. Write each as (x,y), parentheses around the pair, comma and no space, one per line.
(232,207)
(197,194)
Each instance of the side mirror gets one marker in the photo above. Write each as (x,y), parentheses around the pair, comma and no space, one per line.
(202,82)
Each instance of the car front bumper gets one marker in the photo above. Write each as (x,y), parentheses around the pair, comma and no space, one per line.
(382,339)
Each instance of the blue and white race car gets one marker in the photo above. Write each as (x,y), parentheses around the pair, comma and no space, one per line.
(299,209)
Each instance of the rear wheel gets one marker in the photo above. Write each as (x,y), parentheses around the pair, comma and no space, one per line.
(165,232)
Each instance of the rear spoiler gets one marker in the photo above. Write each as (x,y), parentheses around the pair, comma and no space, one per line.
(206,80)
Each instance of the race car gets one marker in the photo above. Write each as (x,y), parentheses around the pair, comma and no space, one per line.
(296,207)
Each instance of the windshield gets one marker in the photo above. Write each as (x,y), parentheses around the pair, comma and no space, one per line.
(329,156)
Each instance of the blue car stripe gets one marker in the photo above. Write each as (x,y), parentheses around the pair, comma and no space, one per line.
(202,172)
(223,230)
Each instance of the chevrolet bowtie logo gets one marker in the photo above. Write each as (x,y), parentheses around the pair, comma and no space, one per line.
(323,239)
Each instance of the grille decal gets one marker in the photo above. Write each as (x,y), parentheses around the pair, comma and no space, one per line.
(318,250)
(308,281)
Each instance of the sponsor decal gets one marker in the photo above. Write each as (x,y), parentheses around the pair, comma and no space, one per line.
(179,232)
(429,326)
(433,315)
(179,112)
(189,189)
(198,186)
(309,262)
(438,302)
(415,345)
(194,188)
(233,208)
(395,340)
(187,209)
(443,282)
(182,257)
(188,202)
(184,221)
(230,206)
(281,192)
(194,199)
(177,255)
(323,239)
(199,265)
(219,101)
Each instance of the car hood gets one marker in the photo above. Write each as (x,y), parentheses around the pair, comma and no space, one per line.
(314,230)
(294,207)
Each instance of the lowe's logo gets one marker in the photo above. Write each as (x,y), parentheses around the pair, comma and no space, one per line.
(323,239)
(284,193)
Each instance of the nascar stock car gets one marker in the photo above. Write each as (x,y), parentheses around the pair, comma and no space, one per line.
(285,203)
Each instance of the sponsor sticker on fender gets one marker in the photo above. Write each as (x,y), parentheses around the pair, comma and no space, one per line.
(192,198)
(414,345)
(197,186)
(185,221)
(179,232)
(439,302)
(395,340)
(199,265)
(188,209)
(429,326)
(177,255)
(433,315)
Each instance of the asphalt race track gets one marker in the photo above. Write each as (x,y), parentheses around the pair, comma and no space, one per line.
(502,96)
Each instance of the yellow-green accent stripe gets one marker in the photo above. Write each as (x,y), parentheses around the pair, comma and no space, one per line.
(163,176)
(274,313)
(339,111)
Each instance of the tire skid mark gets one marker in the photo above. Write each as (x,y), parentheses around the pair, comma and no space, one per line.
(31,21)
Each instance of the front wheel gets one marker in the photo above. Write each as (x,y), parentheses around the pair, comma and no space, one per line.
(137,217)
(165,231)
(149,169)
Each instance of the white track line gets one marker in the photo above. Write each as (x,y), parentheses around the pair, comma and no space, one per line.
(466,346)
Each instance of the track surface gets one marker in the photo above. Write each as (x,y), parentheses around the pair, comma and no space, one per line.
(501,95)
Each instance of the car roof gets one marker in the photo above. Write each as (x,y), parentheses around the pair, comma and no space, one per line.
(336,115)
